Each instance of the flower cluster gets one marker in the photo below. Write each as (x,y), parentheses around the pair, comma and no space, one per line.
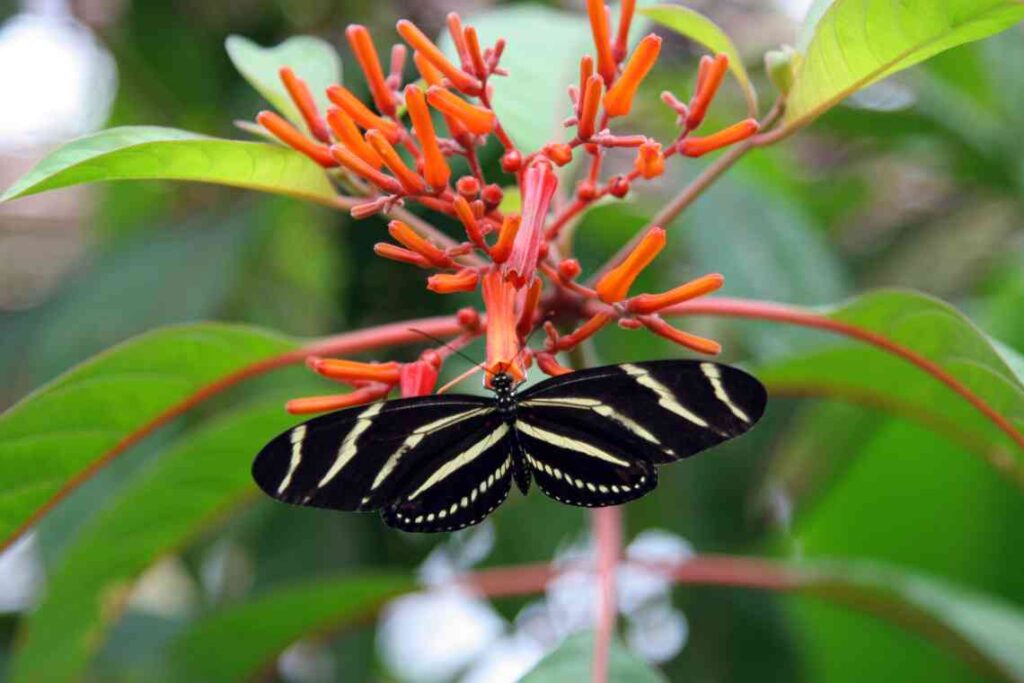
(395,152)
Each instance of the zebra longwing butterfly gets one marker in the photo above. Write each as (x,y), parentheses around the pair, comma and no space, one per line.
(439,463)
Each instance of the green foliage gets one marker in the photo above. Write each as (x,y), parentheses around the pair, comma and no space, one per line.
(61,432)
(940,334)
(573,660)
(210,650)
(151,153)
(856,43)
(312,60)
(699,28)
(168,504)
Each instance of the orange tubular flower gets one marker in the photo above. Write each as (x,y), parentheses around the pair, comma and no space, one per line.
(625,21)
(615,284)
(361,114)
(619,100)
(364,170)
(303,99)
(422,44)
(539,185)
(476,56)
(458,35)
(366,54)
(429,72)
(584,332)
(322,404)
(476,119)
(685,339)
(354,371)
(695,147)
(598,13)
(435,166)
(286,133)
(394,253)
(346,131)
(650,162)
(506,238)
(465,280)
(464,212)
(709,78)
(411,240)
(411,181)
(502,340)
(644,304)
(588,107)
(549,366)
(525,324)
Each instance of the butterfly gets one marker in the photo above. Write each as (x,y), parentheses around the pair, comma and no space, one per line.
(440,463)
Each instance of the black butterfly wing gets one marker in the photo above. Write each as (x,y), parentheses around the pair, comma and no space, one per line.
(576,466)
(459,487)
(362,458)
(643,413)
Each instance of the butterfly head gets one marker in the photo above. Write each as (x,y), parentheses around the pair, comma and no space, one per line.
(504,387)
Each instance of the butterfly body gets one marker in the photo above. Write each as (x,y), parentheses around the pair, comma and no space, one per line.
(439,463)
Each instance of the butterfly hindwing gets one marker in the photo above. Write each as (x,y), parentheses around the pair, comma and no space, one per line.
(663,410)
(358,458)
(579,466)
(461,488)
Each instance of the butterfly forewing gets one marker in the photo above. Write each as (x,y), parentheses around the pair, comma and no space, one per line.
(668,409)
(359,458)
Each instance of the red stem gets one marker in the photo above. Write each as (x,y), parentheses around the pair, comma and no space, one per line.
(350,342)
(759,310)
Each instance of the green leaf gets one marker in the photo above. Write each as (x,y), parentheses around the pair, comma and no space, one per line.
(982,630)
(858,42)
(312,59)
(574,660)
(153,153)
(939,333)
(910,498)
(168,504)
(699,28)
(211,650)
(63,430)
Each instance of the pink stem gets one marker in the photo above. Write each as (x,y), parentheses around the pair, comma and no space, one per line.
(607,524)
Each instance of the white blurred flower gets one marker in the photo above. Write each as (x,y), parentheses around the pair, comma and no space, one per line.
(306,662)
(637,584)
(58,80)
(506,661)
(571,601)
(432,636)
(657,632)
(22,573)
(460,553)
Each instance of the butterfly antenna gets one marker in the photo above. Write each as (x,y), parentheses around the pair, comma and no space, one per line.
(451,348)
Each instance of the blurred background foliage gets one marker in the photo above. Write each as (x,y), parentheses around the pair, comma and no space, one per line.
(916,183)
